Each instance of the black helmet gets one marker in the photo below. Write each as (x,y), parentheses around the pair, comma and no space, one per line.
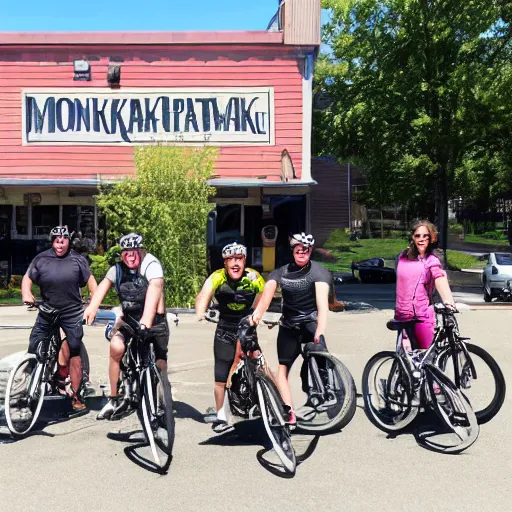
(59,231)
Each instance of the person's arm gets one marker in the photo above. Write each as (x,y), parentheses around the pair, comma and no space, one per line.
(322,304)
(99,294)
(26,289)
(92,285)
(203,299)
(153,296)
(264,301)
(443,288)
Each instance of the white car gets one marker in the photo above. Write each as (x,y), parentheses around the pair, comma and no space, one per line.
(496,274)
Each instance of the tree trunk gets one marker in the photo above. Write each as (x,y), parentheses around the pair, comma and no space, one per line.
(442,213)
(381,224)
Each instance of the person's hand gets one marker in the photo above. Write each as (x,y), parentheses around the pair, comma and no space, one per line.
(28,298)
(318,333)
(451,306)
(90,315)
(254,320)
(144,321)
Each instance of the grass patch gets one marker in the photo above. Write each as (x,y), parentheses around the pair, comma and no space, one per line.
(346,251)
(459,260)
(479,239)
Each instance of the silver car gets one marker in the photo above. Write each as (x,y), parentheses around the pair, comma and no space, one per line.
(496,274)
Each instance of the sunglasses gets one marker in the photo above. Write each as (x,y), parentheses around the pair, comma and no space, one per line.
(421,235)
(301,250)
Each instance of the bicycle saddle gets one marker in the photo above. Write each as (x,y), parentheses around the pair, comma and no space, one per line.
(396,325)
(47,310)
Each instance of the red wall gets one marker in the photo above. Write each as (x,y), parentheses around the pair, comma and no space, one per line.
(157,66)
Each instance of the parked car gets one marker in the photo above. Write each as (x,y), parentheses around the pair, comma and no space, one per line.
(496,274)
(373,271)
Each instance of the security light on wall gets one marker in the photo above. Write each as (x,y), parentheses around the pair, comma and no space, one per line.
(114,74)
(82,70)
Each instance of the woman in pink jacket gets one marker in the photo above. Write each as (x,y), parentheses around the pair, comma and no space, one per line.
(418,273)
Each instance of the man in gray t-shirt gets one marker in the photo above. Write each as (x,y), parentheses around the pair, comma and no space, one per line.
(139,284)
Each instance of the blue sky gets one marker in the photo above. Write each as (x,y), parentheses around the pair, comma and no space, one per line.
(110,15)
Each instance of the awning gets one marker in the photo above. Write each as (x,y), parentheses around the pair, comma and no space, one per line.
(256,182)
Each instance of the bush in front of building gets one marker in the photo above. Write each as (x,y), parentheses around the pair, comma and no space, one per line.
(167,203)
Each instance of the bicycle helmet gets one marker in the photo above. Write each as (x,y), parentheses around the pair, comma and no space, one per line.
(302,238)
(59,231)
(131,241)
(234,249)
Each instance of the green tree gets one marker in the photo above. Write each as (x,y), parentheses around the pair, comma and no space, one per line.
(167,203)
(407,80)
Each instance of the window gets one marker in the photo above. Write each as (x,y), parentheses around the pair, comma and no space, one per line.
(504,259)
(22,220)
(44,218)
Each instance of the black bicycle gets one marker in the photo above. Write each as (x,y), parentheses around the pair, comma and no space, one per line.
(468,363)
(252,393)
(146,390)
(34,376)
(328,384)
(397,385)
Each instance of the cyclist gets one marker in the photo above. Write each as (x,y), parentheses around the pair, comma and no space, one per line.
(237,290)
(418,273)
(139,284)
(305,287)
(60,273)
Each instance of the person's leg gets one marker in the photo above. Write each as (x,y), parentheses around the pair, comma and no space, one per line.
(224,355)
(38,332)
(71,323)
(423,334)
(288,349)
(117,349)
(161,346)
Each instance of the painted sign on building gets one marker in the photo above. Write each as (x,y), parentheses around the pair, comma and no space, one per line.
(215,116)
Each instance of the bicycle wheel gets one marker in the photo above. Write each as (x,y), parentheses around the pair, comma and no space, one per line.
(454,410)
(339,401)
(84,356)
(156,415)
(488,395)
(272,413)
(388,393)
(24,395)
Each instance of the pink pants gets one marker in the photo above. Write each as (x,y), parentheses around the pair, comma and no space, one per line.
(424,334)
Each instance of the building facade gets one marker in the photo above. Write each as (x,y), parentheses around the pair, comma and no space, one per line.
(74,105)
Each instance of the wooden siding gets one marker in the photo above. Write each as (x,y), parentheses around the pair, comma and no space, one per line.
(329,199)
(301,22)
(146,67)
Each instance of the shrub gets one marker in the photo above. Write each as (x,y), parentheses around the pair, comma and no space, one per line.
(167,203)
(339,240)
(15,281)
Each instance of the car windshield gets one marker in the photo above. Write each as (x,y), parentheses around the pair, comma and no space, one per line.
(504,259)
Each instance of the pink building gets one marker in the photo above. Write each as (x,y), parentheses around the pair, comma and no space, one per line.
(74,105)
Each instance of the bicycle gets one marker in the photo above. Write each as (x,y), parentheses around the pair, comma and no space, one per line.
(145,390)
(251,393)
(450,345)
(410,382)
(329,386)
(34,376)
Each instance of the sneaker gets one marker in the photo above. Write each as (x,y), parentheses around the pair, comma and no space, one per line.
(220,427)
(440,397)
(108,409)
(77,404)
(211,415)
(292,418)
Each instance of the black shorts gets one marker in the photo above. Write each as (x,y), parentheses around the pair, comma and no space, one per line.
(224,346)
(70,322)
(290,339)
(160,339)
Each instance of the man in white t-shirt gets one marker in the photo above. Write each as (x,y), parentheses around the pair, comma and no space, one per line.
(139,283)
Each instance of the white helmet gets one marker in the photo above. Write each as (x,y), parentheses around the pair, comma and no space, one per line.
(59,231)
(302,238)
(131,241)
(234,249)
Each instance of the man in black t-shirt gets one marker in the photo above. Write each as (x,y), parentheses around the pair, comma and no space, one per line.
(305,287)
(61,273)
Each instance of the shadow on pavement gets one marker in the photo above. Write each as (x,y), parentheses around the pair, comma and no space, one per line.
(183,410)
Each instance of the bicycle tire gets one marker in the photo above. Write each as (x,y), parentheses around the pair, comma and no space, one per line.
(156,415)
(86,368)
(347,390)
(487,413)
(272,413)
(20,427)
(454,401)
(400,412)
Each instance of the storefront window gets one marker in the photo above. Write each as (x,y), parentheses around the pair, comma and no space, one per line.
(22,220)
(44,218)
(70,217)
